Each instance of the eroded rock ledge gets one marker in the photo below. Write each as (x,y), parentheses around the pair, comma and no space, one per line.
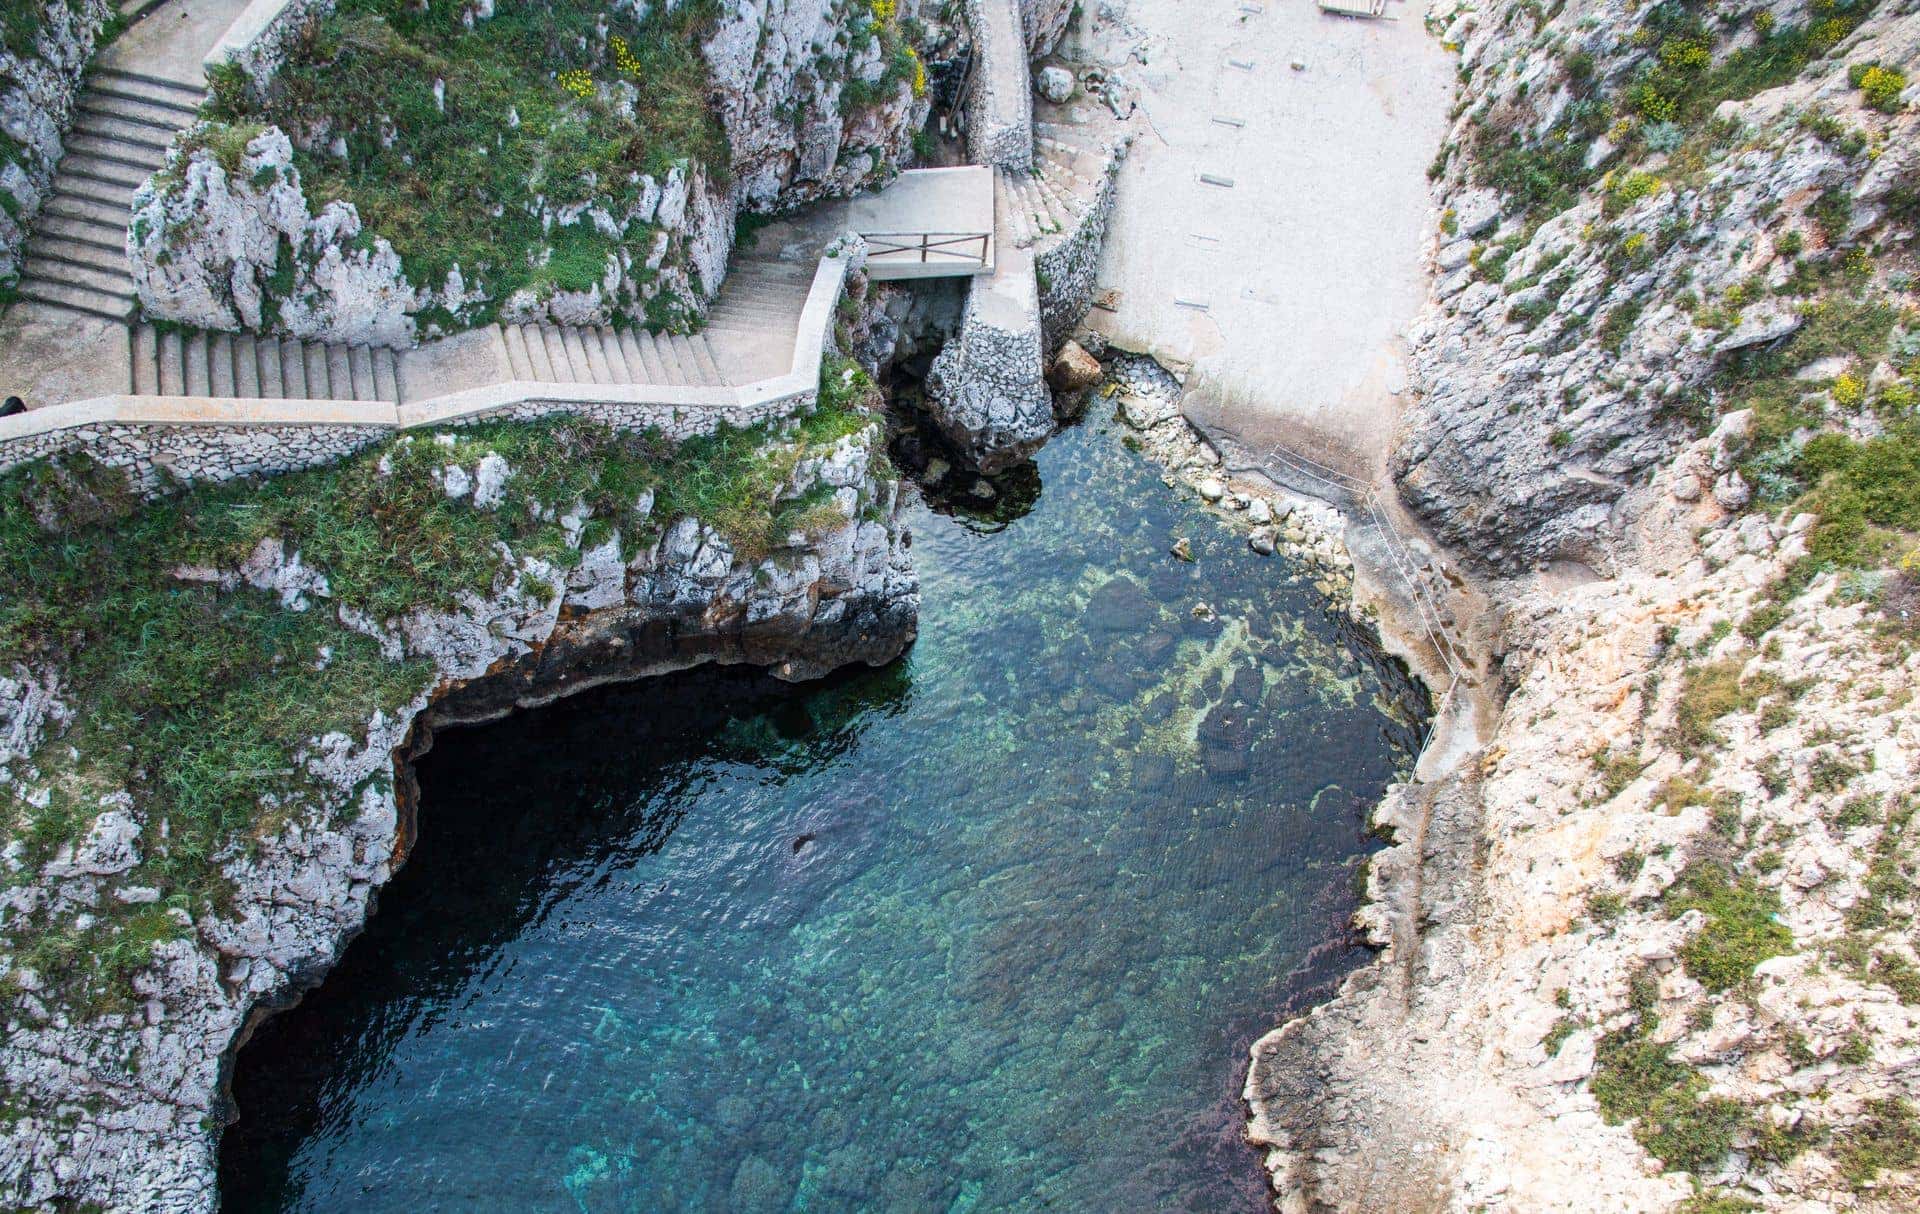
(120,1110)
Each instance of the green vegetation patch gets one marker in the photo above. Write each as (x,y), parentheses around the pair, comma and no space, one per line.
(1886,1139)
(1636,1079)
(462,142)
(1741,930)
(1714,690)
(197,699)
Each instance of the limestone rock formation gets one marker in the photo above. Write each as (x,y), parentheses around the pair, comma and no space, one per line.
(1566,353)
(243,250)
(774,58)
(119,1109)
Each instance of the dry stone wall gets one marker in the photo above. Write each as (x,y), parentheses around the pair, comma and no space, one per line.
(159,455)
(1067,269)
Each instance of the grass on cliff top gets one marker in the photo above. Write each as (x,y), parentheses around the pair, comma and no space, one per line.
(196,700)
(520,127)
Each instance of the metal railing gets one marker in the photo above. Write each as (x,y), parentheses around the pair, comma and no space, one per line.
(1400,556)
(925,247)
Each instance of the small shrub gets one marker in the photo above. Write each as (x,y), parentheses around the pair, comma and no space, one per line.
(1624,191)
(1880,87)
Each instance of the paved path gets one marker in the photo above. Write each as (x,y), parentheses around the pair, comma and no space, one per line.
(1270,221)
(67,338)
(73,337)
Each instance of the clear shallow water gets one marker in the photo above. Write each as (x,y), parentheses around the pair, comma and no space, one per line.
(987,930)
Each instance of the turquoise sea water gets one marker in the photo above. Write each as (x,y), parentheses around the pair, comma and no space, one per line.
(990,929)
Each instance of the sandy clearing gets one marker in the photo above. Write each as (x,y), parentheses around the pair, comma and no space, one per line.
(1286,291)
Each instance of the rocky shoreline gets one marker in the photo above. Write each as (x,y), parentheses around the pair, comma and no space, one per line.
(1644,931)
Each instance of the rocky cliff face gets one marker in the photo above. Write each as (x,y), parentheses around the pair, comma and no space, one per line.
(1627,211)
(112,1107)
(45,45)
(1653,936)
(1043,21)
(809,109)
(1651,946)
(816,99)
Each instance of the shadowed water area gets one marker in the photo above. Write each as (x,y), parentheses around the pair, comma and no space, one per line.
(990,929)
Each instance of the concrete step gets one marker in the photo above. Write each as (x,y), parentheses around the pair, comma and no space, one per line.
(1065,208)
(243,366)
(100,236)
(171,94)
(146,361)
(558,357)
(740,309)
(100,103)
(673,364)
(194,349)
(386,375)
(615,357)
(783,273)
(169,362)
(293,370)
(113,194)
(78,208)
(1067,135)
(107,172)
(146,136)
(1039,208)
(653,361)
(583,348)
(1083,162)
(73,298)
(711,371)
(110,282)
(51,247)
(134,155)
(1013,213)
(220,364)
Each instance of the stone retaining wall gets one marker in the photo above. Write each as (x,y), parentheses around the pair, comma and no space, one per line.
(987,391)
(1067,270)
(1000,103)
(257,41)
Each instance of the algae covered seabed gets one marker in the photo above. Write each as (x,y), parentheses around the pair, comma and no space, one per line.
(989,929)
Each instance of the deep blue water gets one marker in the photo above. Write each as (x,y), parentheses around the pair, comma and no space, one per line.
(990,929)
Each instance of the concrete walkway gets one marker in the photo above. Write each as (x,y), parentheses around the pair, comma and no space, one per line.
(1270,228)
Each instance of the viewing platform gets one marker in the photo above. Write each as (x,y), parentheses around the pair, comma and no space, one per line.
(929,223)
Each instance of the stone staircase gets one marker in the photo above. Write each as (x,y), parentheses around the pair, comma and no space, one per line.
(175,362)
(579,354)
(76,258)
(1044,205)
(749,337)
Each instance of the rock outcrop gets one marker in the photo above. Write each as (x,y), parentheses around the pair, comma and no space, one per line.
(243,249)
(238,245)
(45,46)
(1650,946)
(114,1108)
(1569,354)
